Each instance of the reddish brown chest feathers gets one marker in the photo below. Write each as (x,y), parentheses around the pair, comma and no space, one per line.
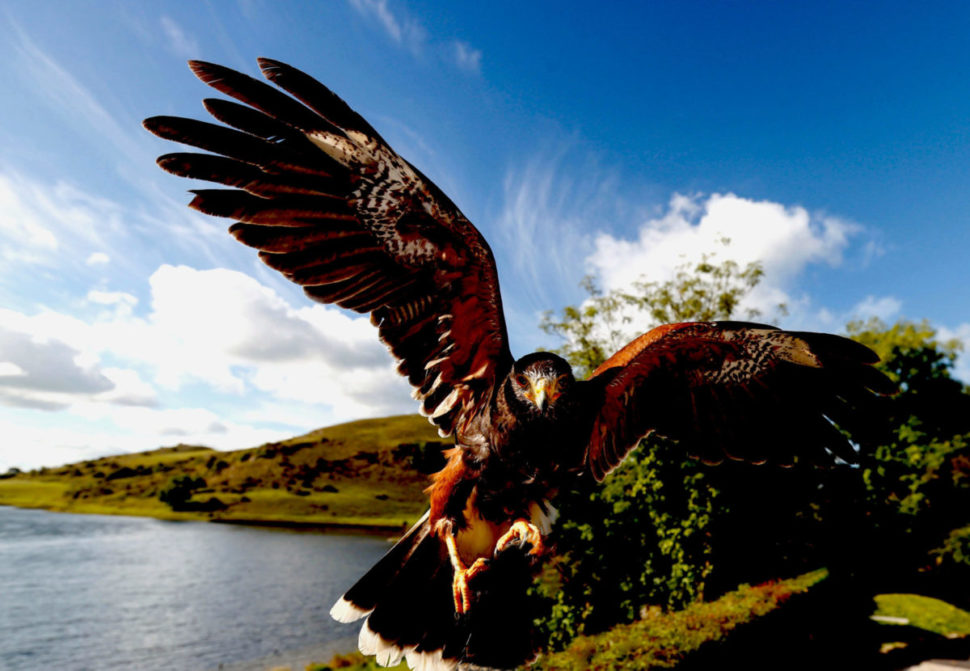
(445,482)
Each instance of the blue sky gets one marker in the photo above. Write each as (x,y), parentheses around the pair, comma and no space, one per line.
(830,141)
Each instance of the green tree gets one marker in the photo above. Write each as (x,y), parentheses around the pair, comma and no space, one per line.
(644,536)
(917,482)
(178,492)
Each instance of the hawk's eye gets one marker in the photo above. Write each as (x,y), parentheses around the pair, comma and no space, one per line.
(522,380)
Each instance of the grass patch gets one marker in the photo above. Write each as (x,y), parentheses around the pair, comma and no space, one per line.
(925,613)
(25,493)
(353,661)
(658,641)
(662,640)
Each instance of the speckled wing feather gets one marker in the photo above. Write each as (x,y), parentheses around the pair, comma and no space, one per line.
(746,391)
(336,210)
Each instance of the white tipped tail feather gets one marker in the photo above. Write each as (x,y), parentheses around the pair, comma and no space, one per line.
(344,611)
(371,643)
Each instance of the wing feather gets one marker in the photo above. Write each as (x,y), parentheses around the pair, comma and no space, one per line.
(331,206)
(731,389)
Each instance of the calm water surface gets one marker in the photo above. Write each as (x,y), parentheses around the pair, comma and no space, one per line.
(102,592)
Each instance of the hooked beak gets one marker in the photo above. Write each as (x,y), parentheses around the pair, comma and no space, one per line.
(543,392)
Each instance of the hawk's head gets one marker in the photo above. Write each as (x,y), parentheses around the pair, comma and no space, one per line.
(538,380)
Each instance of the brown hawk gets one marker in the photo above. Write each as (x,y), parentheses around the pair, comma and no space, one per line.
(330,205)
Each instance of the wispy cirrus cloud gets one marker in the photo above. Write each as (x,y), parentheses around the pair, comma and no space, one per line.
(467,57)
(179,42)
(66,95)
(402,29)
(409,33)
(553,205)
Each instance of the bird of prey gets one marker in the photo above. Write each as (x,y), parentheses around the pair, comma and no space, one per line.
(330,205)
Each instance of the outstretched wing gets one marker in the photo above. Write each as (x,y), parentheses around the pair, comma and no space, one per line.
(336,210)
(746,391)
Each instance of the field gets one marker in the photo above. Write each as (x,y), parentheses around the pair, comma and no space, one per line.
(367,473)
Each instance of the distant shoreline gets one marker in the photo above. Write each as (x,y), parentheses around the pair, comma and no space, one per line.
(323,527)
(293,659)
(369,528)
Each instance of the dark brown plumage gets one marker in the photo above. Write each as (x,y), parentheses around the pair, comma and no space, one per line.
(332,207)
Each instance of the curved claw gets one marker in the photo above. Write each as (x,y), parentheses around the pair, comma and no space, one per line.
(521,532)
(460,591)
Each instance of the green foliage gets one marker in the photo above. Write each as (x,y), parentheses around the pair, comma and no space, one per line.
(589,330)
(644,536)
(704,292)
(917,482)
(179,490)
(932,405)
(904,335)
(917,475)
(641,538)
(955,551)
(925,613)
(663,639)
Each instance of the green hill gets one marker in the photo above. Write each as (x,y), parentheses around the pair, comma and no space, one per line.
(369,473)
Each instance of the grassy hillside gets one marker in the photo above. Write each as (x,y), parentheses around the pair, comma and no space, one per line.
(370,472)
(658,640)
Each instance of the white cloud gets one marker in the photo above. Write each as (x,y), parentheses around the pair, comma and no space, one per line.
(51,369)
(784,239)
(111,298)
(216,330)
(44,224)
(960,333)
(128,389)
(225,329)
(467,57)
(180,43)
(885,308)
(10,369)
(97,259)
(402,29)
(24,236)
(92,431)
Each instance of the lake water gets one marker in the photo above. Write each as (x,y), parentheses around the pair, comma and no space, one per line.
(100,592)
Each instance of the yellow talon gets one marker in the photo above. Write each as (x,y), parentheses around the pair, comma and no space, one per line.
(460,591)
(521,532)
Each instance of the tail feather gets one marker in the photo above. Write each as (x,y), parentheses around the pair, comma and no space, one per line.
(361,599)
(407,600)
